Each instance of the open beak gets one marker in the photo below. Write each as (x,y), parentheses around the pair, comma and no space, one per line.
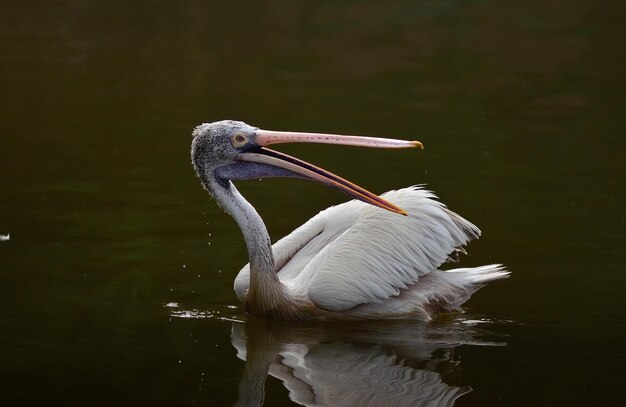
(303,169)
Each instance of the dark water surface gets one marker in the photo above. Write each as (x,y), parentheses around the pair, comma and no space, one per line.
(116,283)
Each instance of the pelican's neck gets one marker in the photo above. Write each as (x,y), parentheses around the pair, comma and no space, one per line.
(265,293)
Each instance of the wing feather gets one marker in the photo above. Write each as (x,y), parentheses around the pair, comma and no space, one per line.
(295,251)
(382,253)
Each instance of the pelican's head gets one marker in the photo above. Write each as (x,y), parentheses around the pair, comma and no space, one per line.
(231,150)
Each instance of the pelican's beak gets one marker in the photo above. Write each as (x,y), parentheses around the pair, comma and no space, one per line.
(264,155)
(267,137)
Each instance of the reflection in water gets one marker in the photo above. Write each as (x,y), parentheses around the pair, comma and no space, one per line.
(360,364)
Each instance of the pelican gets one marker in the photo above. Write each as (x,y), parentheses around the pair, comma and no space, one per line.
(375,257)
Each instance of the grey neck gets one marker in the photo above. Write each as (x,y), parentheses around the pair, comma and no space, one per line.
(265,292)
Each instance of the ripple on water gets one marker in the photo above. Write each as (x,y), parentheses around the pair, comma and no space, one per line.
(226,313)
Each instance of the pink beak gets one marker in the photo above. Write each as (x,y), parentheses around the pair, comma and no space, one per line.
(310,171)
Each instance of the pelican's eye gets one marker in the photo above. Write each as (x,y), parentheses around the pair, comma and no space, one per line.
(239,139)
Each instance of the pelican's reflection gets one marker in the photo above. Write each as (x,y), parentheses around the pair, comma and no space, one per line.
(356,364)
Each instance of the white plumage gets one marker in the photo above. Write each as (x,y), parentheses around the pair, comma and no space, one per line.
(364,262)
(358,260)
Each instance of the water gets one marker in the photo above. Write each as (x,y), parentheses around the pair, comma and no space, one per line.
(116,282)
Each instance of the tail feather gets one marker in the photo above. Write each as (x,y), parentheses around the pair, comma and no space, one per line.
(479,275)
(450,289)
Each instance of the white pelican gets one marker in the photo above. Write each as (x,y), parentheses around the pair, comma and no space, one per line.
(358,260)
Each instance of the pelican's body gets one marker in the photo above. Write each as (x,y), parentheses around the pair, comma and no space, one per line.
(352,261)
(355,261)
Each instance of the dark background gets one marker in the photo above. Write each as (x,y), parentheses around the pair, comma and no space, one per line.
(520,106)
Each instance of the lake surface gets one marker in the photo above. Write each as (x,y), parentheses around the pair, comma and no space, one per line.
(116,282)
